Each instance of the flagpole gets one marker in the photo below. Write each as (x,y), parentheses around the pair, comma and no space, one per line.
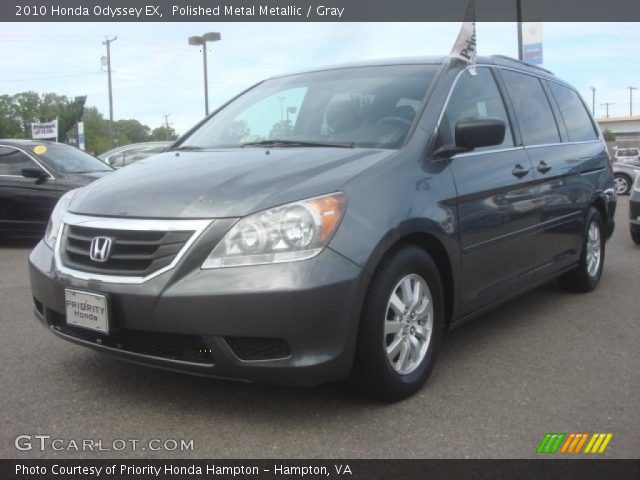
(519,20)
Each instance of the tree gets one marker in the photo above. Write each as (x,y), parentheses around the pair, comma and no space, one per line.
(234,131)
(131,131)
(96,130)
(281,130)
(609,136)
(9,123)
(163,133)
(27,104)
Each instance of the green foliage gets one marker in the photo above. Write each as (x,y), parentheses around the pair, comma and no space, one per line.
(19,111)
(281,130)
(609,136)
(162,133)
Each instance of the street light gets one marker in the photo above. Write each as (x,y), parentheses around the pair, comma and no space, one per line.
(607,105)
(593,101)
(202,41)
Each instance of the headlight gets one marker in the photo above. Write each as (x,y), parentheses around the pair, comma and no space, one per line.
(296,231)
(636,184)
(51,234)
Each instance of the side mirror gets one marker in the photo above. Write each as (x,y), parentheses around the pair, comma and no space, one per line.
(36,173)
(479,132)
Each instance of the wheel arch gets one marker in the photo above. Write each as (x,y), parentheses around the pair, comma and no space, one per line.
(438,245)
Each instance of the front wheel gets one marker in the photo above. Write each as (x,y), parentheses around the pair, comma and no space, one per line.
(401,326)
(586,276)
(622,183)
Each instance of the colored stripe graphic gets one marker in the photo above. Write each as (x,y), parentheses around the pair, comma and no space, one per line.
(598,443)
(551,442)
(572,443)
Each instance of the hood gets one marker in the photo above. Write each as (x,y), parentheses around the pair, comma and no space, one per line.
(76,180)
(222,183)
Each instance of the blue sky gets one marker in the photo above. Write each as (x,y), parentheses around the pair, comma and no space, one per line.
(157,73)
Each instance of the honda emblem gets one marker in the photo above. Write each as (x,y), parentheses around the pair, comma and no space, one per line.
(100,249)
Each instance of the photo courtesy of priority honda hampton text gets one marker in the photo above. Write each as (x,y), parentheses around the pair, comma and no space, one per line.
(339,236)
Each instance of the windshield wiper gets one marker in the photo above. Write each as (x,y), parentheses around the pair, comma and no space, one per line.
(185,148)
(295,143)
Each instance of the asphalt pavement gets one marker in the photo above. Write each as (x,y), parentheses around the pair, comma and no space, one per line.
(549,361)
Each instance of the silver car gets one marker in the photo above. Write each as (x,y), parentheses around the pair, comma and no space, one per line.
(626,155)
(624,173)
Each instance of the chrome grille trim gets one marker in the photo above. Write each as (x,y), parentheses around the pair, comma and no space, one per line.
(107,223)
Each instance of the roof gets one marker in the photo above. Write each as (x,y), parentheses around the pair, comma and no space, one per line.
(27,142)
(498,60)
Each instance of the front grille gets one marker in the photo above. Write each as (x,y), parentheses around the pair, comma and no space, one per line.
(133,252)
(187,348)
(251,348)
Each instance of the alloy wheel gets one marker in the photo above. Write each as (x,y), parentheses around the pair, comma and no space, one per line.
(408,324)
(594,249)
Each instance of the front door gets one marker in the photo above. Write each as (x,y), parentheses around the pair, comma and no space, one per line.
(25,203)
(496,208)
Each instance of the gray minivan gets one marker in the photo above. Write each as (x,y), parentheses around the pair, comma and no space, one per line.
(334,223)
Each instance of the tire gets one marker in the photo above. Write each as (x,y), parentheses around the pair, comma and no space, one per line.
(622,183)
(635,233)
(586,276)
(392,379)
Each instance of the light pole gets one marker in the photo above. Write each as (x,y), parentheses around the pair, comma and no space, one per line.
(202,41)
(107,42)
(593,101)
(631,89)
(607,105)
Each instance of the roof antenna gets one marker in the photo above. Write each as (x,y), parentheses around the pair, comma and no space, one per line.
(465,47)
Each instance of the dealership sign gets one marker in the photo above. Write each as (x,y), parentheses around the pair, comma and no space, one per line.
(44,130)
(532,42)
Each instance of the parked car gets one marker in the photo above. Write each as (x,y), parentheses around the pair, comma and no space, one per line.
(399,199)
(624,173)
(634,211)
(627,155)
(33,177)
(121,156)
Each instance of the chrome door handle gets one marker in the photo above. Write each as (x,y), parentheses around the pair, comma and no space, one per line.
(519,171)
(543,167)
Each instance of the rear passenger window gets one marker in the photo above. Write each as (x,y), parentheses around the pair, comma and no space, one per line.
(535,117)
(574,113)
(474,97)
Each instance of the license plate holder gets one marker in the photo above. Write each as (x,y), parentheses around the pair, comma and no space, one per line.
(87,310)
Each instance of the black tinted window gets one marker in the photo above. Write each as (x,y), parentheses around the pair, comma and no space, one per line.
(474,97)
(574,113)
(12,161)
(535,117)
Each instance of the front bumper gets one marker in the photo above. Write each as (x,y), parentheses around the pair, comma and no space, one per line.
(312,307)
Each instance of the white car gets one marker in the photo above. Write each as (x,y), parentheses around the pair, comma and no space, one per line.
(625,155)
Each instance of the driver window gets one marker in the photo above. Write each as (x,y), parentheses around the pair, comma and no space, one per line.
(474,97)
(12,162)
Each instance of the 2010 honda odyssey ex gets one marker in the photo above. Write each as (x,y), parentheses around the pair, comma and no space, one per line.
(334,223)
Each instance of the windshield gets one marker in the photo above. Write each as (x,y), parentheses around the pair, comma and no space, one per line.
(360,107)
(67,159)
(628,152)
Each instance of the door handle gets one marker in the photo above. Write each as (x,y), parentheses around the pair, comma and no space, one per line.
(543,167)
(519,171)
